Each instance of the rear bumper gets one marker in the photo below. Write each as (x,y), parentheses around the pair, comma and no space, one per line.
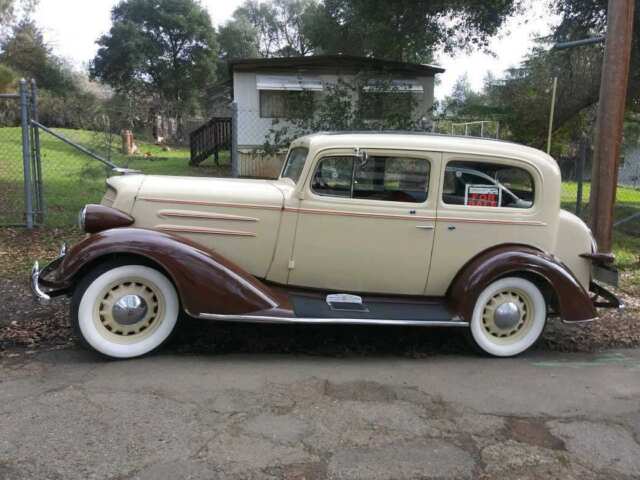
(603,298)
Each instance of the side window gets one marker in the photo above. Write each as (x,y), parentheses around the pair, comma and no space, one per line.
(392,179)
(295,163)
(333,177)
(485,184)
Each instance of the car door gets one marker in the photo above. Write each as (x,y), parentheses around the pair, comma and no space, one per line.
(483,202)
(366,222)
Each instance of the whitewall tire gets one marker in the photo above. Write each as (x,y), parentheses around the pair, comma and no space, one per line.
(125,311)
(509,317)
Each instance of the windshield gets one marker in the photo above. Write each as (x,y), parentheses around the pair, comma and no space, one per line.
(295,163)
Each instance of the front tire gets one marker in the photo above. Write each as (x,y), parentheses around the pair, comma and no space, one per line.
(509,317)
(125,311)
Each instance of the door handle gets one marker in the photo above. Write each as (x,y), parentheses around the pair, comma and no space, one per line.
(451,227)
(425,227)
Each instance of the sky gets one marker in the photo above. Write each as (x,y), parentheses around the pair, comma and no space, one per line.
(71,27)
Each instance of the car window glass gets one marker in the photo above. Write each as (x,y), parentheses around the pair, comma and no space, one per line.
(485,184)
(333,176)
(394,179)
(295,163)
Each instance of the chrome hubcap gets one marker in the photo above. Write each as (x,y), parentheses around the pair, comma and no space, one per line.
(129,309)
(507,316)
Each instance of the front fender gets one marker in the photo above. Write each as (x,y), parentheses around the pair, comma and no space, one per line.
(574,304)
(206,281)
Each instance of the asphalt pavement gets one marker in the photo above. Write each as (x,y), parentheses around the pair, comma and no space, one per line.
(68,414)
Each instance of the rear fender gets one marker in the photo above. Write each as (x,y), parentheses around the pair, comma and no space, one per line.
(206,281)
(574,304)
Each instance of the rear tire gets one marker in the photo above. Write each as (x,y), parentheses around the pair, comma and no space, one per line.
(509,317)
(124,311)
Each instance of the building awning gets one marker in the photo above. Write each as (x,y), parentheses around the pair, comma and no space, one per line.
(288,82)
(394,86)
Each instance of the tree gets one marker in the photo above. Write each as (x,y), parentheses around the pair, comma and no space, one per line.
(165,49)
(277,26)
(406,30)
(582,19)
(26,52)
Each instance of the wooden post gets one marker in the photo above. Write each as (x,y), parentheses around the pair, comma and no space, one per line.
(127,142)
(613,95)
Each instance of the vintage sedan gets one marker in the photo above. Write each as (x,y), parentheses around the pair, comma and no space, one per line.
(360,228)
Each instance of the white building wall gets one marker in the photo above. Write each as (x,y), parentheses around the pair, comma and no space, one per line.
(252,129)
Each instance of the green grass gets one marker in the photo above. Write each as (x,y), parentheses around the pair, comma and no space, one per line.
(72,179)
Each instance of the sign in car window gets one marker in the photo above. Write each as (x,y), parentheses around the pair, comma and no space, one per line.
(482,196)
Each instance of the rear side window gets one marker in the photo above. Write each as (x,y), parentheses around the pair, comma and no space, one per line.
(392,179)
(485,184)
(295,163)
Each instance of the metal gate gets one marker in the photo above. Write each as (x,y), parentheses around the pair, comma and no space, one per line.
(21,198)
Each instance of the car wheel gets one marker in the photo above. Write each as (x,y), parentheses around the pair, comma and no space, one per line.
(509,317)
(125,311)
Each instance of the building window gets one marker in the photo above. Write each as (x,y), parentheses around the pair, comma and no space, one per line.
(377,105)
(285,104)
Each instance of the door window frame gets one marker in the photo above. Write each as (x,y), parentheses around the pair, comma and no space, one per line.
(532,170)
(432,157)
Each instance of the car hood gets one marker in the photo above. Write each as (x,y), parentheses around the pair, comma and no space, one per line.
(204,190)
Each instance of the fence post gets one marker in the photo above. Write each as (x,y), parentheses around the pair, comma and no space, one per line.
(37,159)
(26,152)
(235,167)
(582,157)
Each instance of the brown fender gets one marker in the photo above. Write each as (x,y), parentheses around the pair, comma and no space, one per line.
(206,282)
(574,303)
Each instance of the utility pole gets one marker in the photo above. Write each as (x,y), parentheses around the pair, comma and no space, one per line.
(552,113)
(613,95)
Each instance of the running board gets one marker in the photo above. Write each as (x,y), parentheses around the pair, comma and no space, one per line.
(331,321)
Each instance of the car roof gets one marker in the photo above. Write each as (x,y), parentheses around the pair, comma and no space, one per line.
(428,142)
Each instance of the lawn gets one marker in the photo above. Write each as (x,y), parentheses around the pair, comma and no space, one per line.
(72,179)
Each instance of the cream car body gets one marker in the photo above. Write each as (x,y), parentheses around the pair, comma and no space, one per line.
(360,228)
(283,232)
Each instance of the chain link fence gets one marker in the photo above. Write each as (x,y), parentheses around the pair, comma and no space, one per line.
(70,178)
(576,190)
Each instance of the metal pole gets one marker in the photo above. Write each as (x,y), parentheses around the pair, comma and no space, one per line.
(552,113)
(37,160)
(26,152)
(75,145)
(582,157)
(235,166)
(613,95)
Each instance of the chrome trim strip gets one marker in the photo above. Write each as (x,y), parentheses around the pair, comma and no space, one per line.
(534,223)
(204,230)
(329,321)
(39,295)
(387,216)
(425,227)
(210,204)
(579,322)
(204,215)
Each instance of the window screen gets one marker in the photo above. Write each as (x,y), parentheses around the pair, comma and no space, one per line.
(285,104)
(394,179)
(484,184)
